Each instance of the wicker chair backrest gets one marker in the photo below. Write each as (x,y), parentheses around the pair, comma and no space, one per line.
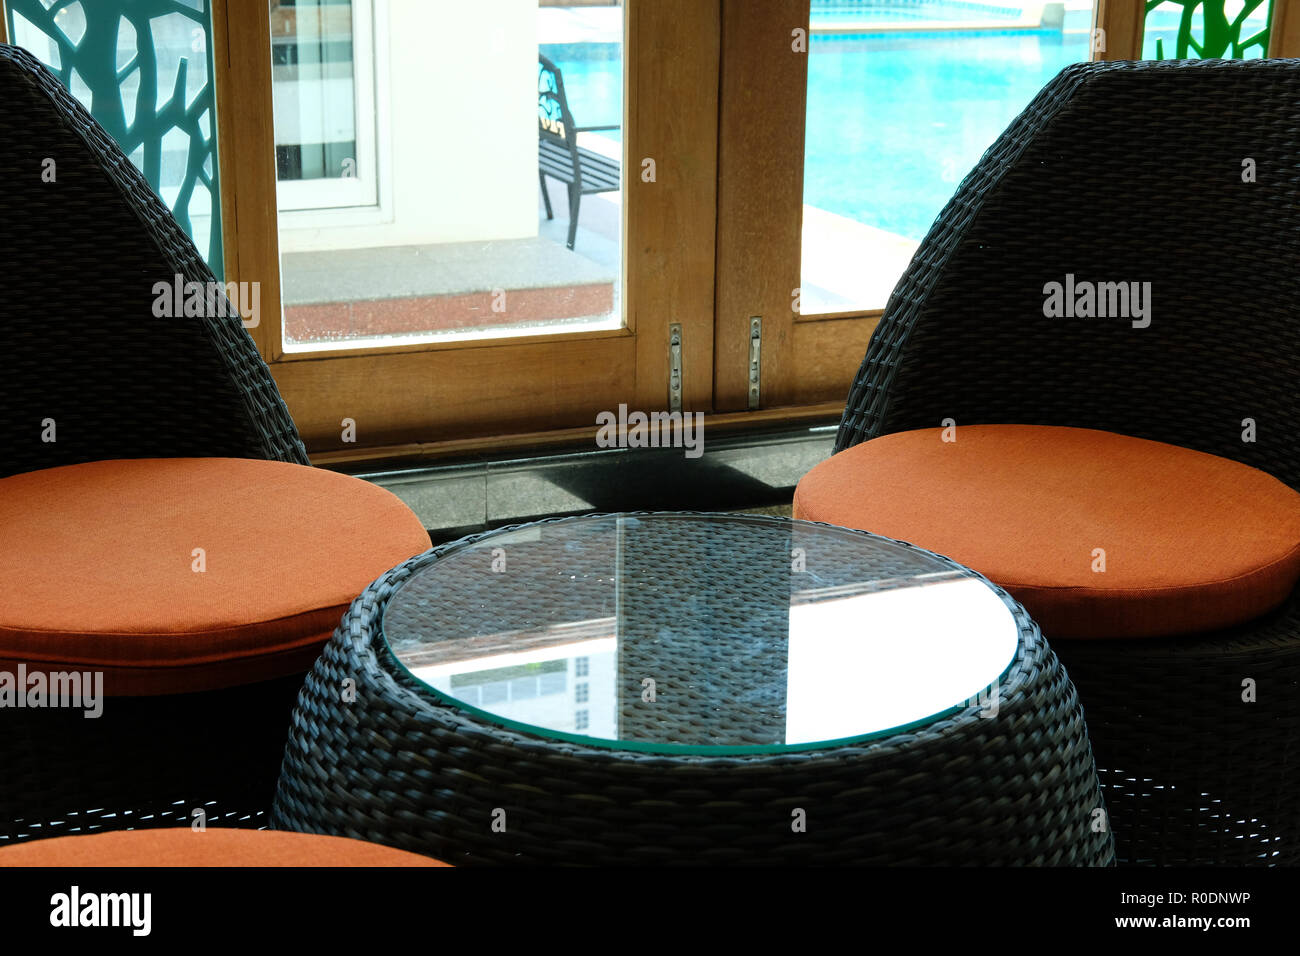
(1177,184)
(88,368)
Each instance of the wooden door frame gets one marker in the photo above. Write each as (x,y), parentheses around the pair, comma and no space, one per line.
(433,393)
(803,360)
(763,108)
(1121,23)
(1284,40)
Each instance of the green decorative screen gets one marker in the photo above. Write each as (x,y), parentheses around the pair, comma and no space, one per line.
(1206,29)
(144,70)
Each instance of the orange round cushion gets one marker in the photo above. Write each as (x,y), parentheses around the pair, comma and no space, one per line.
(1189,542)
(181,574)
(182,846)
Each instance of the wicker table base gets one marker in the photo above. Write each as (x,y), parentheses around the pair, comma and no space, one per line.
(374,754)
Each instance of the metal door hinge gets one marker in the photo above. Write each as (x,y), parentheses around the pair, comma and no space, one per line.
(755,357)
(675,367)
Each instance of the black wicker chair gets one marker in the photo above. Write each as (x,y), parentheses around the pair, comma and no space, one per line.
(1117,169)
(117,387)
(82,255)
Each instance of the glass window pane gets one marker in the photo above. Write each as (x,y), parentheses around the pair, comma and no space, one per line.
(903,99)
(418,148)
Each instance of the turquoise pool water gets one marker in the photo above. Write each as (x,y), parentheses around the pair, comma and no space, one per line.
(895,118)
(896,121)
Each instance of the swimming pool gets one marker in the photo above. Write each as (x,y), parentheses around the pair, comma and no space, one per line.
(896,117)
(895,122)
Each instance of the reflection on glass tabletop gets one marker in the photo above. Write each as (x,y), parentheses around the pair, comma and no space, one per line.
(700,633)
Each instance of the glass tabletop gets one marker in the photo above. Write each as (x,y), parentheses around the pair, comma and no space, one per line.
(700,633)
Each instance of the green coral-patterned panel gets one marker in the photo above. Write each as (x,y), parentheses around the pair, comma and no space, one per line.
(144,70)
(1206,29)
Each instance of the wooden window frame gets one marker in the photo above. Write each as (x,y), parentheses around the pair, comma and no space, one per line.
(805,360)
(421,398)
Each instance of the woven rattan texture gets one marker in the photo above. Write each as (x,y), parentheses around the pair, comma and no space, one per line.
(1193,773)
(1133,172)
(83,347)
(1116,172)
(373,754)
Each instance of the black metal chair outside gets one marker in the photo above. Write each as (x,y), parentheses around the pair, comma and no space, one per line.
(583,171)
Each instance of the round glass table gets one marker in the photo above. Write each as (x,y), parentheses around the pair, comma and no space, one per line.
(693,688)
